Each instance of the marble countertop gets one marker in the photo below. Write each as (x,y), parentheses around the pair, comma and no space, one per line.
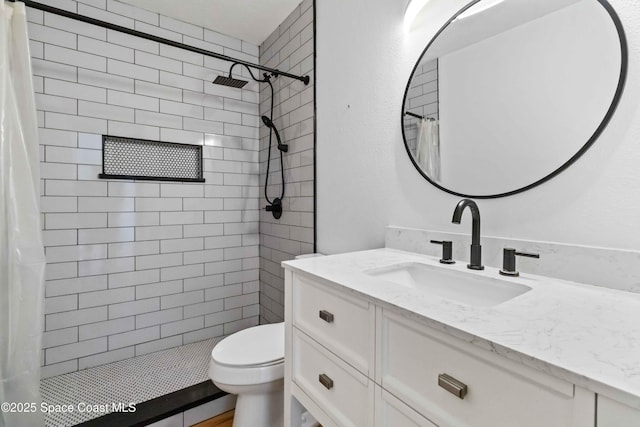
(584,334)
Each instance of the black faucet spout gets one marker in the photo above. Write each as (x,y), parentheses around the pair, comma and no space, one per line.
(476,248)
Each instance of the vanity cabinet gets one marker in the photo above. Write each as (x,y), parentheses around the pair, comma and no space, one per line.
(615,414)
(353,362)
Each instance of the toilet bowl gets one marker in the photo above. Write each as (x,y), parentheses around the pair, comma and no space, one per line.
(250,363)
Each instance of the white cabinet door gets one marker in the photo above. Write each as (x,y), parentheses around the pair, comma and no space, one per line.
(615,414)
(390,412)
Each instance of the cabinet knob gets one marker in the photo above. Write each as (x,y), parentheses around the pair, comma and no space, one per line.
(325,381)
(326,316)
(452,385)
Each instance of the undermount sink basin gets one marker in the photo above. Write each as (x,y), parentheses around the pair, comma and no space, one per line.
(454,285)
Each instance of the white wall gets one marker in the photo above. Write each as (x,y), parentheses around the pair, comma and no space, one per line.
(366,180)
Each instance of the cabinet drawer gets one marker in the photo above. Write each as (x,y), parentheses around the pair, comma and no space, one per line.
(499,392)
(343,324)
(615,414)
(390,412)
(337,388)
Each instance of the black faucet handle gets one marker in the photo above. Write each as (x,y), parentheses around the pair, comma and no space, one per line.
(509,261)
(447,251)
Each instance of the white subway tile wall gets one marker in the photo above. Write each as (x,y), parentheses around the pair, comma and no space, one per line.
(137,267)
(288,48)
(422,99)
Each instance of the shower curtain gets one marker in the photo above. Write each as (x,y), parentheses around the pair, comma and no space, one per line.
(428,148)
(22,260)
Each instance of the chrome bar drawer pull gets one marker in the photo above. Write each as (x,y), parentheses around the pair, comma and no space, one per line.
(452,385)
(326,316)
(325,381)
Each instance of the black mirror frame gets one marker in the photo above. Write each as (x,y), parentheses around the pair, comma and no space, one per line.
(624,62)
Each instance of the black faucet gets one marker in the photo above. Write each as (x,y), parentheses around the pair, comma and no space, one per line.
(476,249)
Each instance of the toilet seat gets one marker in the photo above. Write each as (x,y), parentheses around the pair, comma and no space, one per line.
(252,356)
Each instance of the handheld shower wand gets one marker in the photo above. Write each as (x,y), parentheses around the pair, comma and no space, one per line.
(274,206)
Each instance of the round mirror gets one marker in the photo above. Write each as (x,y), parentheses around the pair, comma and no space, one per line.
(511,92)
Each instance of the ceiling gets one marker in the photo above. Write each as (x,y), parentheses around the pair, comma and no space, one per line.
(249,20)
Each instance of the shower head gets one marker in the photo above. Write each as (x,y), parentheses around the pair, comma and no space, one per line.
(269,123)
(230,82)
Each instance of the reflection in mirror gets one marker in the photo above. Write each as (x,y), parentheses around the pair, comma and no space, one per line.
(511,91)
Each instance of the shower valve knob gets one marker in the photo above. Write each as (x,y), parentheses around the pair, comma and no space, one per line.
(275,208)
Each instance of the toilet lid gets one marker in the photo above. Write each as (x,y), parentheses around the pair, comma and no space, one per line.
(259,345)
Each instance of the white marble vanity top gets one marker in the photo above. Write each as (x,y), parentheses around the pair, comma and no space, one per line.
(585,334)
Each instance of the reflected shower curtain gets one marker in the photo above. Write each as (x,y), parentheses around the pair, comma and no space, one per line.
(22,260)
(428,148)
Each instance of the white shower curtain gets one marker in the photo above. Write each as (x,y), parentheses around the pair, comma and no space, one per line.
(22,260)
(428,148)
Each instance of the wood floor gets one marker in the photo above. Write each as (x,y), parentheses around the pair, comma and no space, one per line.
(222,420)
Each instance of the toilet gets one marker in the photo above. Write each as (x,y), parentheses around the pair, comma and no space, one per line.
(250,363)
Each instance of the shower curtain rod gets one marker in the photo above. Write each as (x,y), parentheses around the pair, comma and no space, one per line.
(417,116)
(110,26)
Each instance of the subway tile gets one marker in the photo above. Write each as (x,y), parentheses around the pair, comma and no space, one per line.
(105,204)
(181,27)
(158,204)
(59,221)
(109,50)
(56,369)
(61,138)
(158,62)
(220,116)
(202,99)
(74,286)
(82,28)
(147,262)
(105,80)
(157,345)
(203,308)
(171,218)
(158,289)
(115,265)
(181,326)
(60,337)
(134,12)
(133,42)
(134,337)
(60,304)
(63,270)
(241,300)
(180,81)
(180,109)
(58,204)
(59,237)
(89,172)
(110,296)
(133,189)
(222,317)
(133,278)
(133,71)
(206,126)
(75,253)
(181,245)
(158,317)
(222,242)
(125,99)
(178,300)
(57,104)
(107,357)
(223,267)
(90,140)
(105,235)
(106,16)
(131,308)
(131,219)
(181,272)
(74,57)
(103,111)
(202,334)
(158,91)
(204,282)
(181,55)
(238,325)
(133,130)
(109,327)
(75,350)
(75,318)
(117,250)
(241,252)
(181,190)
(161,232)
(75,155)
(52,35)
(75,123)
(203,230)
(158,119)
(222,216)
(241,276)
(181,136)
(222,40)
(157,31)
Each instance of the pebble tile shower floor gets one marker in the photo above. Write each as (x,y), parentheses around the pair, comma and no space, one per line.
(133,380)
